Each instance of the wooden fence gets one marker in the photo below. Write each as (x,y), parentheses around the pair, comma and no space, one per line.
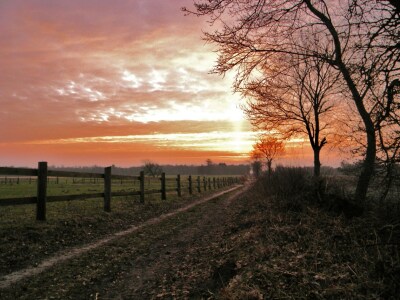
(42,173)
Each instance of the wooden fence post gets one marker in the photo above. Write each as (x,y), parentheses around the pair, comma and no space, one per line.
(190,185)
(209,183)
(178,181)
(163,188)
(141,178)
(198,184)
(205,183)
(214,183)
(107,189)
(41,191)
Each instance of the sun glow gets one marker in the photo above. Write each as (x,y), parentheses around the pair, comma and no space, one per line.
(114,96)
(238,142)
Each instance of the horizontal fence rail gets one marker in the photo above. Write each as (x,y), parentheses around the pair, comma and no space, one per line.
(43,176)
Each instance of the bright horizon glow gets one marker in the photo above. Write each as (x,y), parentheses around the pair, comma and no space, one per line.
(238,142)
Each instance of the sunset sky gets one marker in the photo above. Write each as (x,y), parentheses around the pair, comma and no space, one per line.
(115,82)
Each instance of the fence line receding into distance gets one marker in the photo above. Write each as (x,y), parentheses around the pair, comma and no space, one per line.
(43,174)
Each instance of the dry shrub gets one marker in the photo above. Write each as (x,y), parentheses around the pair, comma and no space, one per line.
(295,188)
(291,186)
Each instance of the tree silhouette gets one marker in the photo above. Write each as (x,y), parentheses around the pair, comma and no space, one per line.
(358,38)
(269,148)
(152,169)
(296,102)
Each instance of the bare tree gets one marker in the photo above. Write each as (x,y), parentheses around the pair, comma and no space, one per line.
(387,124)
(209,167)
(358,38)
(295,102)
(152,169)
(269,148)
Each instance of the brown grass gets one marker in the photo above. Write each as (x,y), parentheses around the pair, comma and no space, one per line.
(310,253)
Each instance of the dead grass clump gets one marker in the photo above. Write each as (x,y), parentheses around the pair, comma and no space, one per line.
(311,253)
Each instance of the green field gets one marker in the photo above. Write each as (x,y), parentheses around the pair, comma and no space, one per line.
(25,241)
(26,187)
(14,187)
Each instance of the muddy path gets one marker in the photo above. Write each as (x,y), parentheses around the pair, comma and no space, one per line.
(168,256)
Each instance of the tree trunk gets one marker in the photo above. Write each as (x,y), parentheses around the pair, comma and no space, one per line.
(317,162)
(369,162)
(269,165)
(368,165)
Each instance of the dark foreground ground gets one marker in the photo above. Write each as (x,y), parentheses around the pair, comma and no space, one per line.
(240,246)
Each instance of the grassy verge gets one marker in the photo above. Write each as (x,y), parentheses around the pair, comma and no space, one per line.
(89,274)
(25,242)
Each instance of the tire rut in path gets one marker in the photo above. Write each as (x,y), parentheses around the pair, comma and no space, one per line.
(180,260)
(7,280)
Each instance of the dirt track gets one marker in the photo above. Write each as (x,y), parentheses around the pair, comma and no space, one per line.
(168,257)
(181,264)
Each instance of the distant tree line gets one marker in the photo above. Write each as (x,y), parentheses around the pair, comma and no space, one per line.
(221,169)
(208,169)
